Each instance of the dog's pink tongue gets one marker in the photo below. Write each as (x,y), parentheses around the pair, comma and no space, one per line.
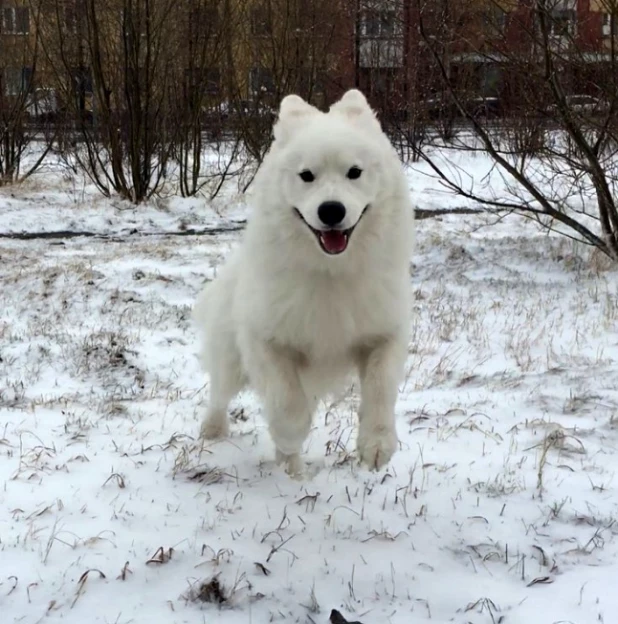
(334,241)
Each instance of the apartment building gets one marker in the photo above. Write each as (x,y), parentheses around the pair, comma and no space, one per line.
(403,48)
(395,50)
(16,48)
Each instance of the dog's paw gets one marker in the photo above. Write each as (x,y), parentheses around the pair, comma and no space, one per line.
(376,446)
(293,464)
(215,426)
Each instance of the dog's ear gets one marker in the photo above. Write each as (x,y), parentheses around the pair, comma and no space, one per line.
(355,107)
(292,113)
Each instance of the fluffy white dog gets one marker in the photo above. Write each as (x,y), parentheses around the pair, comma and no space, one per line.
(320,286)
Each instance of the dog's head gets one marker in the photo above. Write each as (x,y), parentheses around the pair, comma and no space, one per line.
(332,166)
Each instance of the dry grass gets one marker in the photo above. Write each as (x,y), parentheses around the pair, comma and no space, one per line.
(504,476)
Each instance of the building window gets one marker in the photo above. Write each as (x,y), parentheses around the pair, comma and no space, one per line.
(379,82)
(15,20)
(261,81)
(204,20)
(562,23)
(206,17)
(70,20)
(381,53)
(382,83)
(203,80)
(495,18)
(261,24)
(379,24)
(491,79)
(82,79)
(16,80)
(311,82)
(609,20)
(213,80)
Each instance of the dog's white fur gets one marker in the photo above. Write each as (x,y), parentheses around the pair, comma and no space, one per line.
(292,321)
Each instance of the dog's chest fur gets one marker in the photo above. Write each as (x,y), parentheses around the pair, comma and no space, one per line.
(325,318)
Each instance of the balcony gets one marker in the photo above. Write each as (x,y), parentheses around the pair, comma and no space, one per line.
(381,53)
(380,38)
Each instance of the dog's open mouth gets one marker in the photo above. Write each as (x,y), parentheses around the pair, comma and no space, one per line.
(333,241)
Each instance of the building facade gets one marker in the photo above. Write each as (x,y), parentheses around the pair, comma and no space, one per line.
(397,51)
(405,50)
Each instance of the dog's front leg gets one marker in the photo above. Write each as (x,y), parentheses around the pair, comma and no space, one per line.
(288,411)
(381,369)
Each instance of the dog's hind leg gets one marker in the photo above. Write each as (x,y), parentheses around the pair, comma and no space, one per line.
(226,381)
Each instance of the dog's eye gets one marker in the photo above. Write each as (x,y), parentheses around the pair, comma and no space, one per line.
(306,176)
(354,173)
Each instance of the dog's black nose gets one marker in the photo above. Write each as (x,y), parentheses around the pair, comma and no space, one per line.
(331,213)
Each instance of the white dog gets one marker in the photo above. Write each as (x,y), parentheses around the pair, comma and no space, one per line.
(320,286)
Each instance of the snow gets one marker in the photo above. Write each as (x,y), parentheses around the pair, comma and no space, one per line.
(499,507)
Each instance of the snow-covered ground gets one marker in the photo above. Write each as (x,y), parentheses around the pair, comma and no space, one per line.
(499,507)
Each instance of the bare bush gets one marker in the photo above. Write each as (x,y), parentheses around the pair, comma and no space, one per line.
(156,93)
(19,107)
(555,147)
(206,153)
(291,47)
(114,63)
